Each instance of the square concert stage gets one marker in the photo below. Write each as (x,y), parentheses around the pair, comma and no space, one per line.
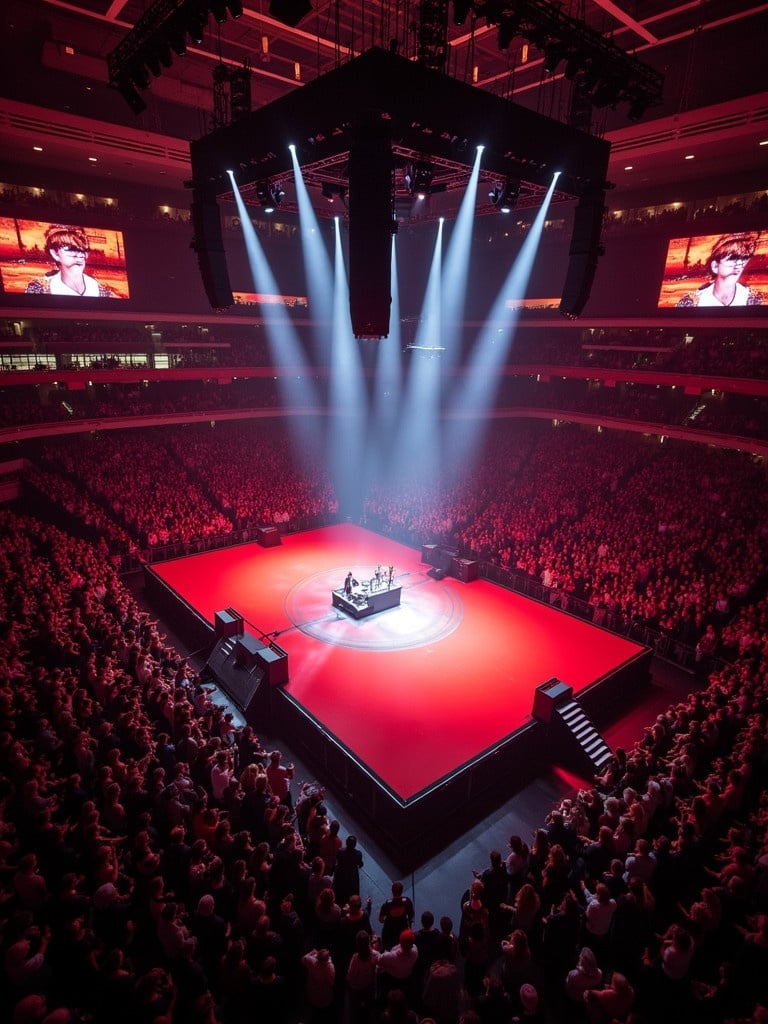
(365,601)
(419,717)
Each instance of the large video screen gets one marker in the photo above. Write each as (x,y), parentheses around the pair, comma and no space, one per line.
(716,271)
(264,299)
(62,260)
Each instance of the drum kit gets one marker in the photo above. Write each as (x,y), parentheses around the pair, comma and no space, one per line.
(381,578)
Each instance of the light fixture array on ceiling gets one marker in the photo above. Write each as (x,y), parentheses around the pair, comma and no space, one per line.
(418,177)
(289,12)
(331,191)
(599,69)
(160,33)
(270,195)
(504,195)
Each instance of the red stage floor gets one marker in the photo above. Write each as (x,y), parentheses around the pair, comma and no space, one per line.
(415,691)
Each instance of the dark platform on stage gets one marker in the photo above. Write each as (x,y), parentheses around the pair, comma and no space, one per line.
(268,536)
(228,623)
(362,604)
(464,569)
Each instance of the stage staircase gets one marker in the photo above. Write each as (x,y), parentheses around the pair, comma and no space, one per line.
(589,751)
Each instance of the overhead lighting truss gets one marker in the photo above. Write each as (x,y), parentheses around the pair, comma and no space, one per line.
(505,194)
(159,33)
(608,74)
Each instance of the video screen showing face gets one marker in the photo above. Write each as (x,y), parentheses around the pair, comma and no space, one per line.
(716,271)
(62,260)
(263,299)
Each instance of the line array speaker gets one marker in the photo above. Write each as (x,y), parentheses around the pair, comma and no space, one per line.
(370,228)
(211,258)
(584,254)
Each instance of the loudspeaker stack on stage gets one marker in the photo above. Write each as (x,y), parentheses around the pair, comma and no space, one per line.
(446,562)
(268,536)
(244,666)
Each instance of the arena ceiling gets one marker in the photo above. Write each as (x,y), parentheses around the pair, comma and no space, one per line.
(55,93)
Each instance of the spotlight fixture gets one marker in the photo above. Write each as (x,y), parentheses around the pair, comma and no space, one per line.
(219,10)
(509,26)
(131,95)
(139,74)
(174,33)
(460,11)
(269,195)
(195,24)
(330,191)
(289,12)
(554,52)
(573,65)
(637,108)
(606,93)
(418,178)
(264,195)
(504,195)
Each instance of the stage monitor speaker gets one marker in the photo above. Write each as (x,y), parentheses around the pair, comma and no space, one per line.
(584,253)
(464,569)
(274,661)
(239,683)
(444,558)
(268,536)
(546,698)
(429,554)
(371,223)
(247,649)
(437,574)
(208,243)
(227,623)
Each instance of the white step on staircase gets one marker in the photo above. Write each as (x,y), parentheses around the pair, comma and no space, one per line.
(589,750)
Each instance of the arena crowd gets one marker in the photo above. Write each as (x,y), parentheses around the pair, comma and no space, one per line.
(160,865)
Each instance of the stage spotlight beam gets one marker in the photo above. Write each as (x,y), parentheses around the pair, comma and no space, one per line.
(475,395)
(299,394)
(317,263)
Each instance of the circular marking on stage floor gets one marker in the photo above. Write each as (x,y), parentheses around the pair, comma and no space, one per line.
(428,612)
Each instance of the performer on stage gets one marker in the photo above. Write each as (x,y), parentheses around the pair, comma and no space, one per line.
(348,585)
(391,576)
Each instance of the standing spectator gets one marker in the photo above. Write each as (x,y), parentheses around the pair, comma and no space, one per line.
(585,975)
(442,992)
(395,915)
(517,865)
(611,1003)
(598,916)
(279,777)
(361,979)
(330,846)
(495,886)
(320,985)
(399,963)
(268,1000)
(221,774)
(346,877)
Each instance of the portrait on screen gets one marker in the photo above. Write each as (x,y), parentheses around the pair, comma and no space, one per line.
(716,271)
(62,260)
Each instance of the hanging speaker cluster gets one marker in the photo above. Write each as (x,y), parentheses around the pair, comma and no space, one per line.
(208,243)
(371,224)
